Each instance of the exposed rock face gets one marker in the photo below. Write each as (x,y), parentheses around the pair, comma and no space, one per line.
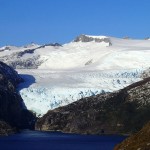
(9,76)
(138,141)
(125,111)
(12,109)
(84,38)
(52,44)
(6,129)
(18,61)
(146,73)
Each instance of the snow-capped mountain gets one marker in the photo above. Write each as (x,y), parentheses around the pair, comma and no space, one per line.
(56,75)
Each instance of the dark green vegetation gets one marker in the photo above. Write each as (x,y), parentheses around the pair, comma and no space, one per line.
(138,141)
(13,114)
(121,112)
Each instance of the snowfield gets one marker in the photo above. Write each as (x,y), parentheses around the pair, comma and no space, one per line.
(44,89)
(57,75)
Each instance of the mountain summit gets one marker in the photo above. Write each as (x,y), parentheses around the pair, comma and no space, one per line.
(88,38)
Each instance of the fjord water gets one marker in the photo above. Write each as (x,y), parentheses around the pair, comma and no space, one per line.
(35,140)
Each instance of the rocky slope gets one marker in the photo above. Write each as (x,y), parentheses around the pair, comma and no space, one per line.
(138,141)
(124,111)
(13,113)
(6,129)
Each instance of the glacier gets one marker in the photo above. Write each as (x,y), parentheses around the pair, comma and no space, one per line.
(49,90)
(56,75)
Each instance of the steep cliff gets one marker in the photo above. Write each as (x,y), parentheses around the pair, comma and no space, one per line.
(13,114)
(124,111)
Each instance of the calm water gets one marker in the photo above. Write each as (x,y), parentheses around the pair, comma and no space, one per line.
(34,140)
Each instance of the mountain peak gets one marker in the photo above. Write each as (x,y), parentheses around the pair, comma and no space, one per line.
(89,38)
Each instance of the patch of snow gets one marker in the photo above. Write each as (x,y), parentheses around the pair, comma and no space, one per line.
(98,37)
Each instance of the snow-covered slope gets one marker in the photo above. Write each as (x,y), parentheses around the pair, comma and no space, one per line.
(57,75)
(46,89)
(85,52)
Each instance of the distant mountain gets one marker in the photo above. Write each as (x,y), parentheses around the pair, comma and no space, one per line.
(121,112)
(56,75)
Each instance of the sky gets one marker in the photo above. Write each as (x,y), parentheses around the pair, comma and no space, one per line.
(48,21)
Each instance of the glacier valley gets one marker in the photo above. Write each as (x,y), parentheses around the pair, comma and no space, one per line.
(56,75)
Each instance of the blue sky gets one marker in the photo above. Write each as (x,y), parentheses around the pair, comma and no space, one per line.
(46,21)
